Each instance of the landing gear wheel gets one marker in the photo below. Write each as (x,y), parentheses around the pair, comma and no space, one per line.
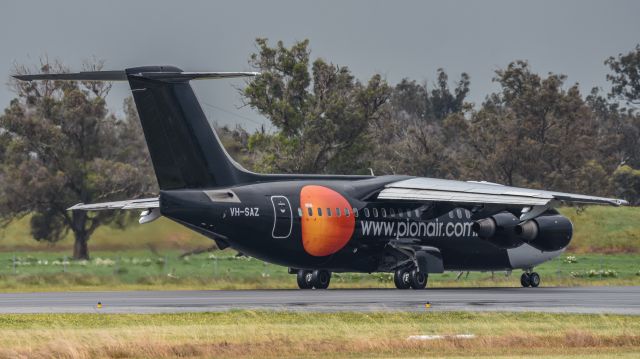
(320,279)
(525,280)
(534,279)
(417,280)
(401,279)
(304,279)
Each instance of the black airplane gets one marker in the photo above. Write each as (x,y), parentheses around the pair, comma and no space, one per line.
(319,224)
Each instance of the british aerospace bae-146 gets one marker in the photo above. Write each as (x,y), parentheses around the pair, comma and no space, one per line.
(319,224)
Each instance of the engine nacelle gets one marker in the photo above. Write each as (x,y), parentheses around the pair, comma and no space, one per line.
(546,233)
(498,230)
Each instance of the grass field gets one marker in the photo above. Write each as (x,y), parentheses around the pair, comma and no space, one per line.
(287,334)
(46,271)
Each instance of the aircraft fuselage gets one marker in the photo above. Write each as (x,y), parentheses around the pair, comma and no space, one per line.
(334,225)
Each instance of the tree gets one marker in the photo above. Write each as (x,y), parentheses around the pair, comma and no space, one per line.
(61,147)
(321,111)
(413,100)
(420,134)
(442,101)
(625,78)
(536,132)
(627,182)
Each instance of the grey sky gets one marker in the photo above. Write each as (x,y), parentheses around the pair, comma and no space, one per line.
(396,38)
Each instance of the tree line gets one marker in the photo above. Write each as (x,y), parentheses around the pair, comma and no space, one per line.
(59,144)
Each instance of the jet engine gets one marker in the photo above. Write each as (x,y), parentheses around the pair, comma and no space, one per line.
(498,230)
(546,233)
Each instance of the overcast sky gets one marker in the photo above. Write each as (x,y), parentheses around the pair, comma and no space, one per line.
(395,38)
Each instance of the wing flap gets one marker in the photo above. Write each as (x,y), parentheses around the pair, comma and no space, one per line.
(143,203)
(459,197)
(430,189)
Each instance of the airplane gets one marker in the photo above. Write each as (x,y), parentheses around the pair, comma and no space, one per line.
(321,224)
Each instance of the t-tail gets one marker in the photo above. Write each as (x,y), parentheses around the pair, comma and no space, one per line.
(185,150)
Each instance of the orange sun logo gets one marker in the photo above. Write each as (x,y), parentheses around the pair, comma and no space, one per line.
(325,235)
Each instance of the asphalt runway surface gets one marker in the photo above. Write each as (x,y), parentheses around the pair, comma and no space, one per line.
(620,300)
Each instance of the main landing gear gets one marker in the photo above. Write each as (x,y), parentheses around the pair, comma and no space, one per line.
(410,278)
(530,279)
(316,279)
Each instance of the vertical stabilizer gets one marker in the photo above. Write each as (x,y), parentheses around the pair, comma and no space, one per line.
(185,150)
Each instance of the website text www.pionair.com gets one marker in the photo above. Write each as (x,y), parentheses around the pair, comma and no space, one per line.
(416,229)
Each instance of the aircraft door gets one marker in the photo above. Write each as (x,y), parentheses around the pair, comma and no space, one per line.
(282,217)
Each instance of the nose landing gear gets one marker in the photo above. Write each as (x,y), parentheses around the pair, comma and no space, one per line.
(316,279)
(530,279)
(410,278)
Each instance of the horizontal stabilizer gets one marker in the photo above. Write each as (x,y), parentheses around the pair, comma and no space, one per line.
(143,203)
(77,76)
(122,76)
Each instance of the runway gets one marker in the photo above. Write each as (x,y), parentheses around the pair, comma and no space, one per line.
(620,300)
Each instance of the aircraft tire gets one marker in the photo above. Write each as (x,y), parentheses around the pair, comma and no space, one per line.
(304,279)
(401,279)
(320,279)
(417,279)
(525,280)
(534,280)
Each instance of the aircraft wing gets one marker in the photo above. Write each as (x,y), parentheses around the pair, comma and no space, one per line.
(143,203)
(440,190)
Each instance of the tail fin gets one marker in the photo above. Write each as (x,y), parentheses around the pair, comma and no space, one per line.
(185,151)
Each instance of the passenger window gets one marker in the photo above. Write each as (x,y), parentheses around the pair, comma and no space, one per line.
(300,212)
(392,212)
(366,212)
(417,214)
(338,214)
(346,212)
(319,212)
(409,213)
(384,212)
(328,212)
(375,212)
(310,211)
(355,212)
(400,212)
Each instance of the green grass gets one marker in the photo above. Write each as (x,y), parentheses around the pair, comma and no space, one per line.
(601,229)
(160,234)
(47,271)
(289,334)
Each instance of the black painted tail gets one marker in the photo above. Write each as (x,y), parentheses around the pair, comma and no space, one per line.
(185,150)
